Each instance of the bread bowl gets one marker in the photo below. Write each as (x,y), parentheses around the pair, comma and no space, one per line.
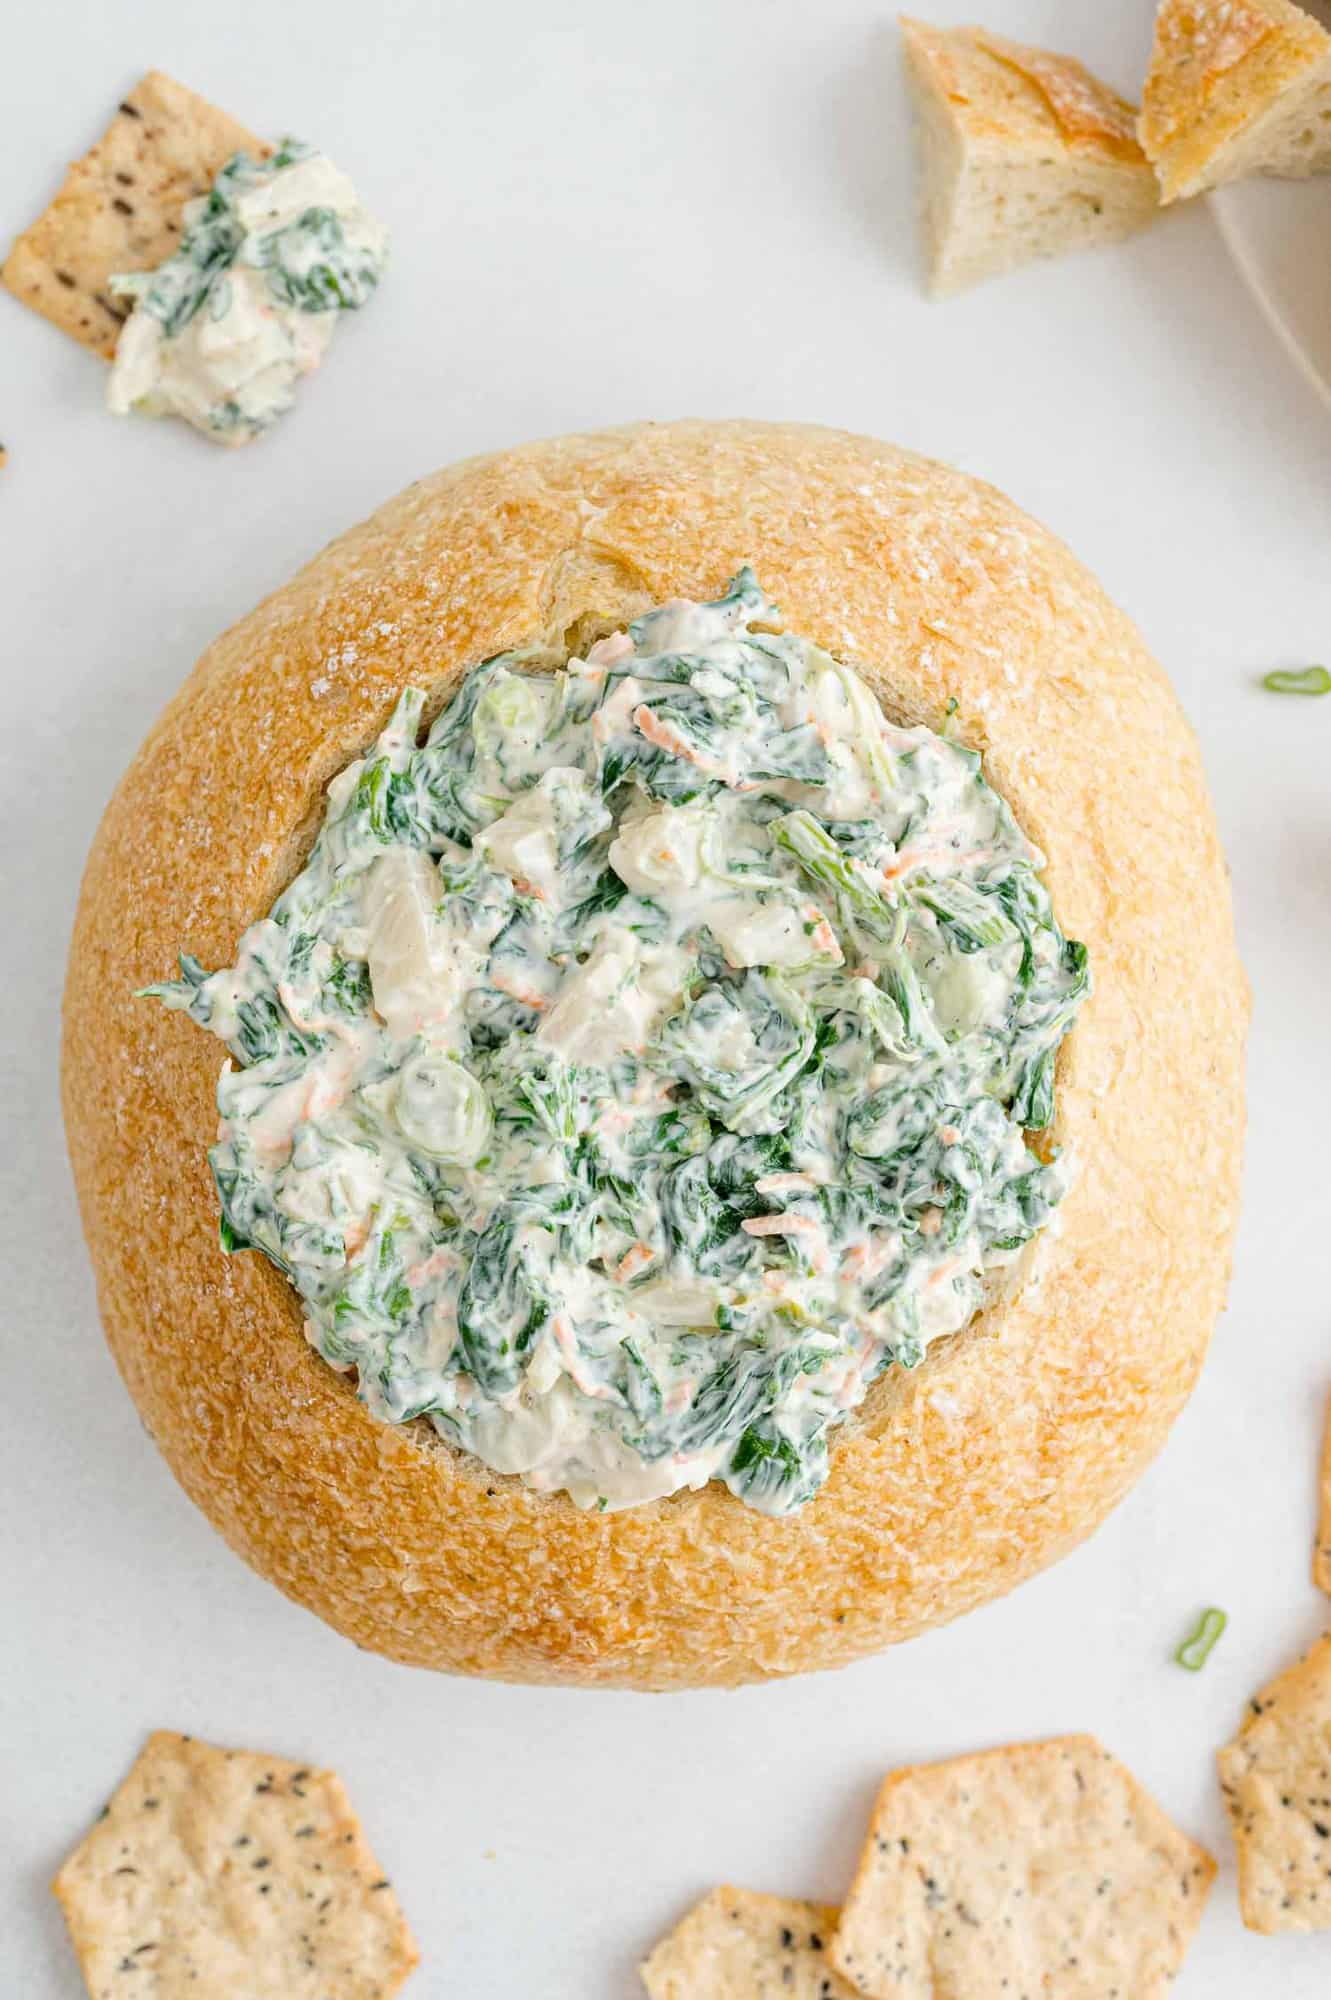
(952,1480)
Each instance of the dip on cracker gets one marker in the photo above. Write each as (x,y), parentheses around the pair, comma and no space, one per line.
(209,269)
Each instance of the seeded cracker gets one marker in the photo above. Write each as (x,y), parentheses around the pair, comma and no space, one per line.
(215,1873)
(1036,1870)
(120,207)
(1276,1778)
(737,1945)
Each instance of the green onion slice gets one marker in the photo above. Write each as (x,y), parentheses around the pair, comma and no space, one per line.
(1301,680)
(1196,1649)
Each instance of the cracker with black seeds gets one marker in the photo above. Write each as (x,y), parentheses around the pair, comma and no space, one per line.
(215,1873)
(1041,1868)
(120,208)
(738,1945)
(1276,1778)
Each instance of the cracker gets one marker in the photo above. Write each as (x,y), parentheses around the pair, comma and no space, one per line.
(1039,1869)
(1276,1778)
(738,1945)
(215,1873)
(1322,1546)
(120,208)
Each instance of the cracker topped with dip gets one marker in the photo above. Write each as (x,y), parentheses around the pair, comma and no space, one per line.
(208,268)
(121,208)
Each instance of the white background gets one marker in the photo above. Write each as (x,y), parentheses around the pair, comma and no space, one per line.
(606,211)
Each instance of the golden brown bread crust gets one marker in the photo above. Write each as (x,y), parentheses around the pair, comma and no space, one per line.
(953,1482)
(1218,68)
(1018,97)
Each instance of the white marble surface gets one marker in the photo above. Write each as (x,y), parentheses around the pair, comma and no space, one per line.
(601,212)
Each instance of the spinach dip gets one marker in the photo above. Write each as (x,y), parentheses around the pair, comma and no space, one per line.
(223,330)
(644,1061)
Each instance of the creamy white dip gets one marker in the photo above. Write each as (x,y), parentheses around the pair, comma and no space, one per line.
(645,1061)
(221,333)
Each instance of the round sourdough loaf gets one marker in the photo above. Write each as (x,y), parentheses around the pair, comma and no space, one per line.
(952,1482)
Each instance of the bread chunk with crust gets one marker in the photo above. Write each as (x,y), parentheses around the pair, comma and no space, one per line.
(1236,87)
(1023,154)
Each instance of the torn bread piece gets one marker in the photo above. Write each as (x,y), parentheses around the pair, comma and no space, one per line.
(1043,1868)
(1276,1778)
(228,1872)
(1236,87)
(738,1945)
(121,208)
(1023,154)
